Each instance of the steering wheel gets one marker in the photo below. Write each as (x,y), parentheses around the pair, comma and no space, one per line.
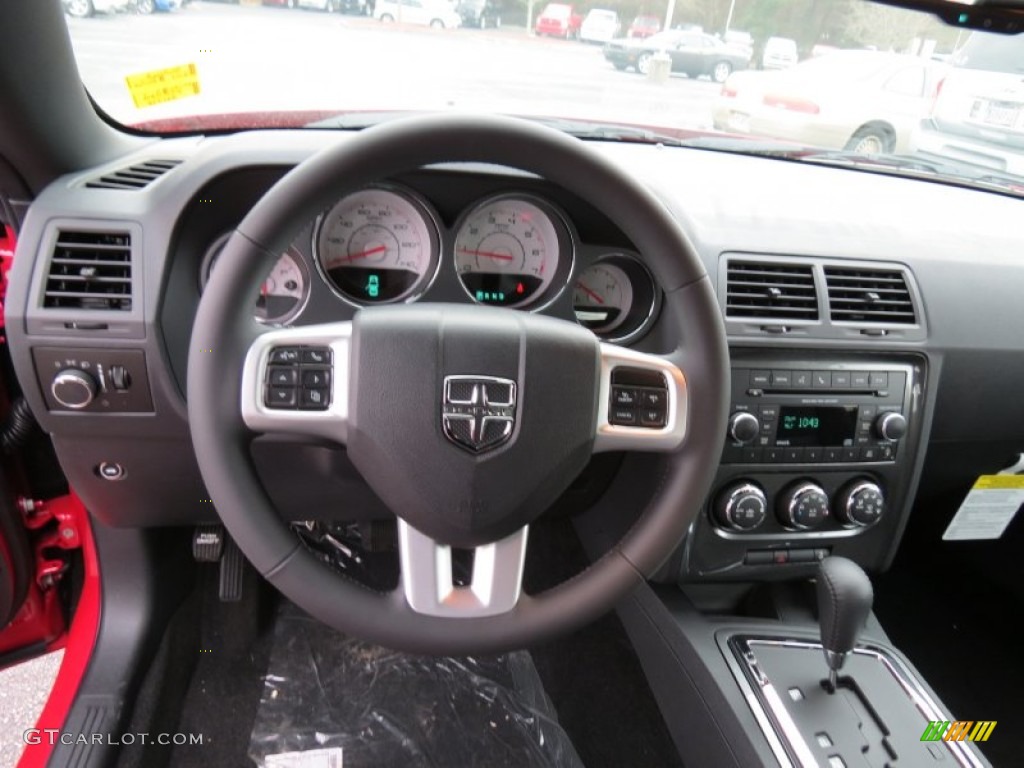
(467,421)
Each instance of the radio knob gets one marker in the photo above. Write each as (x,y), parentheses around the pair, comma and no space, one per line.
(741,507)
(73,388)
(803,506)
(860,503)
(891,426)
(744,427)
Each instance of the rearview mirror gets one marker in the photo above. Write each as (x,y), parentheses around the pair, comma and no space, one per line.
(1002,16)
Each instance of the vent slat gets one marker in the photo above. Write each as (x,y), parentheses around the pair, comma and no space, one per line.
(90,270)
(869,296)
(133,177)
(770,291)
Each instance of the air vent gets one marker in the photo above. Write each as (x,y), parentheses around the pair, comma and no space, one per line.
(770,290)
(869,296)
(134,176)
(90,270)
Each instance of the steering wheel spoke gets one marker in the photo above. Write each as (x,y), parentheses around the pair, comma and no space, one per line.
(428,582)
(296,381)
(642,402)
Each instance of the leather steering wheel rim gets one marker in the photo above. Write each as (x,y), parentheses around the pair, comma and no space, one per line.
(224,331)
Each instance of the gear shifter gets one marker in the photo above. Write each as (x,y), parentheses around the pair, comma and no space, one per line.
(844,602)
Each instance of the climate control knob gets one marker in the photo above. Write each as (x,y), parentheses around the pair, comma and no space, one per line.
(891,426)
(73,388)
(741,507)
(860,503)
(744,427)
(802,506)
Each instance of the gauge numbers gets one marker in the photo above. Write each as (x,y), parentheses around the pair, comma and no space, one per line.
(377,246)
(507,252)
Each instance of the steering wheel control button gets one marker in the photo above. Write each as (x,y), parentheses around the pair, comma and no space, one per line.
(624,397)
(315,398)
(652,417)
(281,397)
(741,507)
(623,417)
(110,470)
(316,378)
(860,503)
(281,376)
(319,356)
(284,355)
(803,506)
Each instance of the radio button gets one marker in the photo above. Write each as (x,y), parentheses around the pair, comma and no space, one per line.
(867,412)
(879,380)
(760,379)
(793,455)
(769,412)
(773,456)
(869,453)
(833,455)
(840,379)
(851,454)
(802,379)
(781,379)
(744,427)
(812,455)
(821,379)
(859,380)
(887,451)
(891,426)
(752,455)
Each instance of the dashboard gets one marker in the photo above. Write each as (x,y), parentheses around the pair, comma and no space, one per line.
(873,324)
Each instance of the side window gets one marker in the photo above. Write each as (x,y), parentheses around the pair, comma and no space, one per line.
(907,82)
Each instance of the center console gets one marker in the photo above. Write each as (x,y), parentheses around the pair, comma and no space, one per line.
(819,460)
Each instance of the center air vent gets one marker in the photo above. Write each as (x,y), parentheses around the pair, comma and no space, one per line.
(90,270)
(771,290)
(869,296)
(134,176)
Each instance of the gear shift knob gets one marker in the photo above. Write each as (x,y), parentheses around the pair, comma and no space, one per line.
(844,602)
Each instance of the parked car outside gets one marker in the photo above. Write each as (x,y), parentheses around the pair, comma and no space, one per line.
(739,39)
(163,6)
(862,101)
(481,14)
(779,53)
(692,53)
(600,26)
(84,8)
(428,13)
(558,20)
(978,113)
(644,26)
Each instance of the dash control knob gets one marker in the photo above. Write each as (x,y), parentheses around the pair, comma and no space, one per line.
(741,507)
(860,503)
(743,427)
(891,426)
(73,388)
(803,506)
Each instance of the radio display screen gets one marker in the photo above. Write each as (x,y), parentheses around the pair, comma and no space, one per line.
(817,426)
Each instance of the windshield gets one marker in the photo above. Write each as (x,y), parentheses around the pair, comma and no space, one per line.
(200,65)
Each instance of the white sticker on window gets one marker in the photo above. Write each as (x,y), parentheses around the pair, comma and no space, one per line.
(313,758)
(988,508)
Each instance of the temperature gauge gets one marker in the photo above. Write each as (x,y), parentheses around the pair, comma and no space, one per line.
(602,297)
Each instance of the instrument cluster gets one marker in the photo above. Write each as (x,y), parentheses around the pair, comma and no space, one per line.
(386,244)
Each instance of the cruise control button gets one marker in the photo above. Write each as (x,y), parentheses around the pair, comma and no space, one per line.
(284,355)
(653,398)
(652,417)
(282,376)
(281,397)
(317,355)
(624,397)
(625,417)
(314,398)
(316,378)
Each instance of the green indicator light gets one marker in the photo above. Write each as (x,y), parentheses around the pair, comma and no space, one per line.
(479,295)
(964,17)
(501,297)
(373,286)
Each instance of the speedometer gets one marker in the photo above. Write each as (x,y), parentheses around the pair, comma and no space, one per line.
(507,252)
(377,245)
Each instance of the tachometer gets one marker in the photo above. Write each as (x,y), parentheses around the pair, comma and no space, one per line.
(507,252)
(283,293)
(377,245)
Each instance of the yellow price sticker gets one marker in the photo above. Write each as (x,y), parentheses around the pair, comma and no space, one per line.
(1000,482)
(160,85)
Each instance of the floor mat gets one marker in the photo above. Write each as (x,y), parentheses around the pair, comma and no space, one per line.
(336,700)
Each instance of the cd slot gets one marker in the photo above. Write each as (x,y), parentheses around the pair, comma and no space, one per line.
(793,391)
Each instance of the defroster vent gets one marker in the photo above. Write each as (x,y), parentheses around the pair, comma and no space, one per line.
(90,270)
(771,291)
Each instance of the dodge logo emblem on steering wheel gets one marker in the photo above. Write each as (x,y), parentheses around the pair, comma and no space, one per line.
(478,412)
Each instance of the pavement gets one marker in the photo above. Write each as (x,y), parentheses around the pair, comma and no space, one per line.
(23,692)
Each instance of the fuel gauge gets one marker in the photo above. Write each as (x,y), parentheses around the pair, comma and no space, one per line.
(602,297)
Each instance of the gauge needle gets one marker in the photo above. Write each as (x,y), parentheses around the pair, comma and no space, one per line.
(590,293)
(488,254)
(368,252)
